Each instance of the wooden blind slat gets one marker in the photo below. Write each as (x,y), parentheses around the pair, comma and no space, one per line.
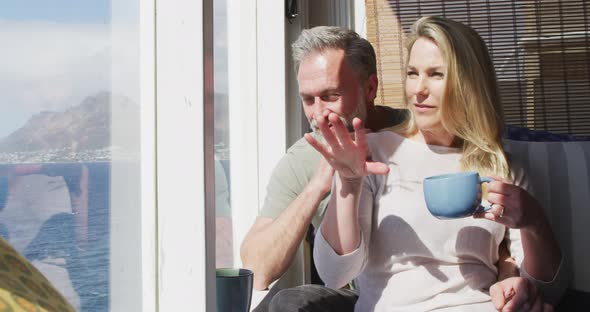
(541,51)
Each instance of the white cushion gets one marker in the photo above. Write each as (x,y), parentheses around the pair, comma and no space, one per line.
(559,173)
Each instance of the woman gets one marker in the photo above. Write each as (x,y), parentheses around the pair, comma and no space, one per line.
(377,229)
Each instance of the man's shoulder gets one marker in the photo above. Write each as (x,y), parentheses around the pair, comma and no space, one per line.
(299,160)
(289,177)
(300,144)
(301,150)
(389,116)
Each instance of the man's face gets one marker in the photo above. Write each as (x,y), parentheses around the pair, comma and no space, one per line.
(328,83)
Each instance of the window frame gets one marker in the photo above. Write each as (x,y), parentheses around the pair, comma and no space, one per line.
(180,174)
(147,78)
(256,94)
(184,272)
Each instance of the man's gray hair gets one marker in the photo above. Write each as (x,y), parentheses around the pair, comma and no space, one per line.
(359,52)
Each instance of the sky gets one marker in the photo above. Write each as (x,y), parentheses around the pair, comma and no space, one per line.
(63,11)
(55,53)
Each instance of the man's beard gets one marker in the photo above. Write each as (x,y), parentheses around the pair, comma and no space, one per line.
(360,113)
(317,133)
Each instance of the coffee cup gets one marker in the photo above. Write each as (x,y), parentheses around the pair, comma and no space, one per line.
(454,195)
(234,289)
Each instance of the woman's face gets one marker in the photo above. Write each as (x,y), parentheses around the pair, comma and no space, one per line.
(425,85)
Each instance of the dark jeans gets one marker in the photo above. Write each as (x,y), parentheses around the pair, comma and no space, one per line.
(308,298)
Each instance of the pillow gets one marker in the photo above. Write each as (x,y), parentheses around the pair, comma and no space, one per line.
(559,173)
(23,287)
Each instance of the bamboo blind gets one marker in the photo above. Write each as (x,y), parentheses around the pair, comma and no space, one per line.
(540,49)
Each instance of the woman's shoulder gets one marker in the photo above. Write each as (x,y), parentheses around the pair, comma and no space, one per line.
(384,144)
(385,135)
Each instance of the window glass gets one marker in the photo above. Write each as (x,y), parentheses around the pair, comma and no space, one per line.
(224,232)
(69,142)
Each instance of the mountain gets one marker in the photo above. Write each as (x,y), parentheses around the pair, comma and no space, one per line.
(83,127)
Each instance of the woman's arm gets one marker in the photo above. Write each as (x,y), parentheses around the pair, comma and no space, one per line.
(530,238)
(515,208)
(340,226)
(348,157)
(338,268)
(507,266)
(340,233)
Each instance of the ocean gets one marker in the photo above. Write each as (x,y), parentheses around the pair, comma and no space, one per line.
(47,226)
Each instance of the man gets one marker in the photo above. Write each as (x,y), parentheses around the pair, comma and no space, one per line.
(336,72)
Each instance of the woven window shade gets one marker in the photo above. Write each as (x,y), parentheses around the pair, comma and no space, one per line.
(540,49)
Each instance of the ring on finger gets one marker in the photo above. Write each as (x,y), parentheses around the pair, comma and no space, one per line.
(501,212)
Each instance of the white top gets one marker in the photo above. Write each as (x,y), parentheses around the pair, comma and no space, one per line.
(409,260)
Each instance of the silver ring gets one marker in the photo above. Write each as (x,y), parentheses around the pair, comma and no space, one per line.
(502,212)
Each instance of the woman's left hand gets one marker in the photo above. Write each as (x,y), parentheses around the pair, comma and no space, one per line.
(511,205)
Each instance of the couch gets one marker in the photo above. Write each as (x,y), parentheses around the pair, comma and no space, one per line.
(559,171)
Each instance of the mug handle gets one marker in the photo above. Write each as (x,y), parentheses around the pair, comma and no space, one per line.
(484,180)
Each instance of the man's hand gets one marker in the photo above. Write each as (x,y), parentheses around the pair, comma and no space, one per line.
(517,294)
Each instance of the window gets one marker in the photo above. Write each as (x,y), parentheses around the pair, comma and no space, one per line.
(70,146)
(109,148)
(250,132)
(224,240)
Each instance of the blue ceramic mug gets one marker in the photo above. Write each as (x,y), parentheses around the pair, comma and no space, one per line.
(454,195)
(234,289)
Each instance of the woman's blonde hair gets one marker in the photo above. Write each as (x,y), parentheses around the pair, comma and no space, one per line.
(472,110)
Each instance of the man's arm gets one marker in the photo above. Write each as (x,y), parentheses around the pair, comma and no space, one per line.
(270,245)
(507,266)
(512,292)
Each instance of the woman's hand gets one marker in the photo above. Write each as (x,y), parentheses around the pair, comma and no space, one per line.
(511,206)
(346,155)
